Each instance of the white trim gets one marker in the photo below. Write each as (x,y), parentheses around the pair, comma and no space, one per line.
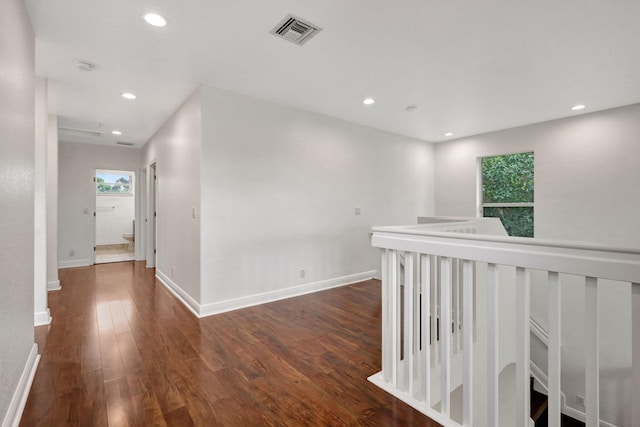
(42,318)
(378,379)
(417,231)
(54,285)
(19,399)
(508,205)
(377,275)
(580,416)
(74,263)
(210,309)
(179,293)
(294,291)
(540,377)
(571,258)
(539,332)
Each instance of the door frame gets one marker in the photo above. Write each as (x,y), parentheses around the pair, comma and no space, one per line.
(151,254)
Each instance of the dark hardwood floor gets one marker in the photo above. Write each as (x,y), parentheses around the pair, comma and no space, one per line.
(122,351)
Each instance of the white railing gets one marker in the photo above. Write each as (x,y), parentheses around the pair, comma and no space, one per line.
(431,266)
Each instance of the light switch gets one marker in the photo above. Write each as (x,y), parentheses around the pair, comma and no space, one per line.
(357,211)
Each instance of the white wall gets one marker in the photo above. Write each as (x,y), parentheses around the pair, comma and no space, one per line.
(279,191)
(41,309)
(586,168)
(53,282)
(114,216)
(175,149)
(587,174)
(17,115)
(77,195)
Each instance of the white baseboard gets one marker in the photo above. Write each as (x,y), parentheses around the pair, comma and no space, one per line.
(19,399)
(251,300)
(178,292)
(204,310)
(580,416)
(54,285)
(377,275)
(42,318)
(69,263)
(419,405)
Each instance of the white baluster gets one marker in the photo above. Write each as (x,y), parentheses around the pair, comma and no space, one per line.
(386,369)
(435,309)
(409,319)
(467,345)
(445,335)
(455,304)
(592,344)
(394,324)
(523,403)
(555,330)
(426,310)
(635,354)
(492,346)
(458,284)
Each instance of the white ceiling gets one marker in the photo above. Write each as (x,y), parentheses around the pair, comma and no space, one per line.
(470,66)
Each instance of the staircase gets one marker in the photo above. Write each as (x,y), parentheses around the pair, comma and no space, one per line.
(539,407)
(460,275)
(539,411)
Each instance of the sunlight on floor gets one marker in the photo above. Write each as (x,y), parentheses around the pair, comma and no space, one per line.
(113,255)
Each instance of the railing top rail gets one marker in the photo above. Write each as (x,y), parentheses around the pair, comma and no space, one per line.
(426,230)
(583,259)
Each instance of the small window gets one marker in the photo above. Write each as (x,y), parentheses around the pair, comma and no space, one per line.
(114,183)
(507,191)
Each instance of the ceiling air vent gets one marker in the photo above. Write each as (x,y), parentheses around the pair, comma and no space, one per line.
(295,30)
(78,131)
(128,144)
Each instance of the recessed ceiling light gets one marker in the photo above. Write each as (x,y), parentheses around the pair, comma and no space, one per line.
(368,101)
(155,19)
(84,65)
(116,132)
(448,134)
(128,95)
(578,107)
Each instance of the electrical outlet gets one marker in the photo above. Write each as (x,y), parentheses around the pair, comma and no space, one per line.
(357,211)
(72,253)
(172,269)
(580,401)
(302,273)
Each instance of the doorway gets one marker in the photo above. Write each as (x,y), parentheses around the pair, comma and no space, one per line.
(152,197)
(115,216)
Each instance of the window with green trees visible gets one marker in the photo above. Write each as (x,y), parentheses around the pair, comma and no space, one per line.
(114,183)
(507,191)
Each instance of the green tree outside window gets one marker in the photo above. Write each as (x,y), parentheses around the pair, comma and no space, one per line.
(508,191)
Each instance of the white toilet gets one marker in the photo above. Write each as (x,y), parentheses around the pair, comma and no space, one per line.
(129,238)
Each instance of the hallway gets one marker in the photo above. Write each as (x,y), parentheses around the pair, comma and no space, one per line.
(122,351)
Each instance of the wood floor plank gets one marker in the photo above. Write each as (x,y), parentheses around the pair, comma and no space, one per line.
(122,351)
(90,353)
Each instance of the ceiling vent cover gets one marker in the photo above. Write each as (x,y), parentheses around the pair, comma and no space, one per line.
(295,30)
(78,131)
(128,144)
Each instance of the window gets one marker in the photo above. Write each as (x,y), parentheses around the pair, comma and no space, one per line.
(114,182)
(507,191)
